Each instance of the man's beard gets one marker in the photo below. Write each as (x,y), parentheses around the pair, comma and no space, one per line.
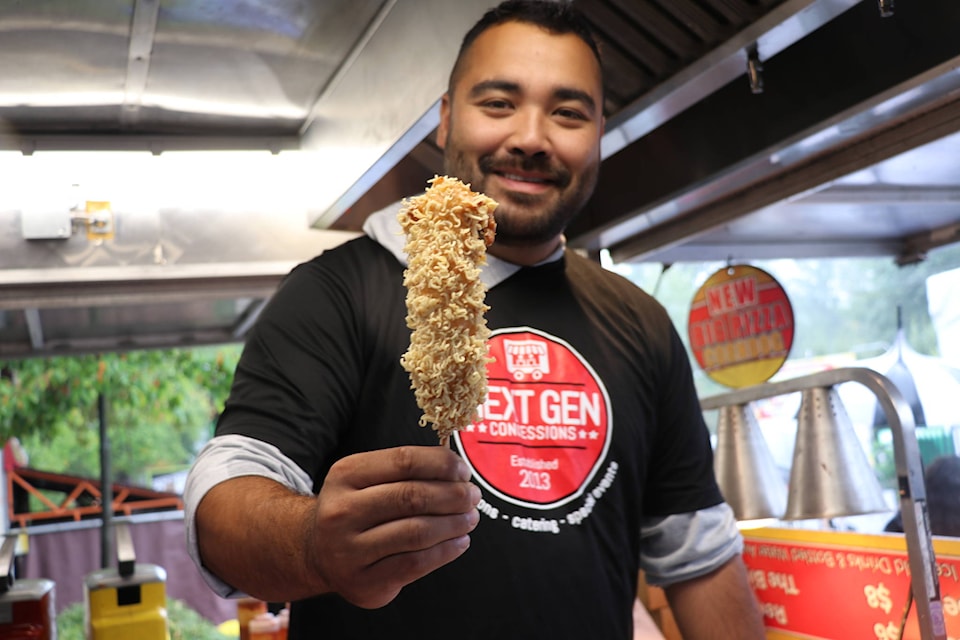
(525,219)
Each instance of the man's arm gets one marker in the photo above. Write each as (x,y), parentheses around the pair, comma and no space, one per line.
(382,519)
(717,606)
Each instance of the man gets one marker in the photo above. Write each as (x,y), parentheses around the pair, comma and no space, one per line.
(590,459)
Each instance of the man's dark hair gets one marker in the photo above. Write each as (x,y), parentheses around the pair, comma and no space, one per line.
(558,17)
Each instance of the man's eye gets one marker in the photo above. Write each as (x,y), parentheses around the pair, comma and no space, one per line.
(570,114)
(497,104)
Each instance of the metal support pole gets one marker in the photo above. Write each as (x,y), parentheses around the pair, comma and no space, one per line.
(106,486)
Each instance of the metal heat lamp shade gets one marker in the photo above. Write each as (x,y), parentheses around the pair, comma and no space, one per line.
(830,476)
(748,477)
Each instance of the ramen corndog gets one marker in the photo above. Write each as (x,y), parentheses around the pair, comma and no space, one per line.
(448,229)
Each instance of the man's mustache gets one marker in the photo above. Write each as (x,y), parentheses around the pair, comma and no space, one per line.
(541,166)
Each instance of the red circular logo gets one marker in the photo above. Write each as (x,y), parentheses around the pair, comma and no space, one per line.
(545,425)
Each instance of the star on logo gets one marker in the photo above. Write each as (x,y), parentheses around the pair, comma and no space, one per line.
(482,427)
(594,434)
(582,434)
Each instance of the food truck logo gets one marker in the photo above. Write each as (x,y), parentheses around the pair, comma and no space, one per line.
(526,358)
(545,426)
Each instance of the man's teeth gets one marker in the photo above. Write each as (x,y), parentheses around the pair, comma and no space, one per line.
(511,176)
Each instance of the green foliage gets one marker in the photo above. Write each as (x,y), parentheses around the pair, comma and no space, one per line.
(160,406)
(184,623)
(187,624)
(70,623)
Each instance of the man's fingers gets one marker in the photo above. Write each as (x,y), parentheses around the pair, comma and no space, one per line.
(415,534)
(416,498)
(401,463)
(395,572)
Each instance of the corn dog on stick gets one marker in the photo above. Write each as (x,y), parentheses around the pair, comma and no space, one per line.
(448,230)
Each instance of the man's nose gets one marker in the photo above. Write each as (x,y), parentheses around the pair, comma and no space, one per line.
(530,135)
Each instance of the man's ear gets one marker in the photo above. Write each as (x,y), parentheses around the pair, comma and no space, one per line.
(443,129)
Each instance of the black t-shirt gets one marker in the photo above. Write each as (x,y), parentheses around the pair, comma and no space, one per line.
(591,424)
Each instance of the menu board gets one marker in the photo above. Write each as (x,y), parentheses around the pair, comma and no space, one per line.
(827,585)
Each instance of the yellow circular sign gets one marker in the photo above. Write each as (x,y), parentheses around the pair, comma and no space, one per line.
(740,326)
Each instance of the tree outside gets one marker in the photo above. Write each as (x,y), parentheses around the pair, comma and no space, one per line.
(161,406)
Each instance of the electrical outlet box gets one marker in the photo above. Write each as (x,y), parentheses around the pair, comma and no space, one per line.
(45,225)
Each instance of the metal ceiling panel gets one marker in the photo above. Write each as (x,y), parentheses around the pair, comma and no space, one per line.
(263,63)
(56,57)
(208,67)
(386,103)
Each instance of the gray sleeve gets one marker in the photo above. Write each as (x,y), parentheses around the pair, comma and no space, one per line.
(226,457)
(688,545)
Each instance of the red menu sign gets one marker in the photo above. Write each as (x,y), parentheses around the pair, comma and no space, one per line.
(820,585)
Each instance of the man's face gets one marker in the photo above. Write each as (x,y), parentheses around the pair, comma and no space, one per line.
(523,124)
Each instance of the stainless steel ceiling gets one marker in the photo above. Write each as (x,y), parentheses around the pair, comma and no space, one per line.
(851,148)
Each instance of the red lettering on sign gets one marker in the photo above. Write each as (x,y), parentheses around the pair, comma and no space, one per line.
(731,295)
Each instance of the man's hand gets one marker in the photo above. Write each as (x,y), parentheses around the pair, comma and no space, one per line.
(382,520)
(386,518)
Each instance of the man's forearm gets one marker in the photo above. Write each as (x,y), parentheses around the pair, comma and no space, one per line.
(252,533)
(717,606)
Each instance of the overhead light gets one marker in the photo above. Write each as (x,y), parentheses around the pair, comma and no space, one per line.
(290,182)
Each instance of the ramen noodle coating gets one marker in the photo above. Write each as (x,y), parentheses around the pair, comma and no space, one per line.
(448,229)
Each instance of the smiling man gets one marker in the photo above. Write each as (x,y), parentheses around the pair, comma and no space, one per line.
(588,460)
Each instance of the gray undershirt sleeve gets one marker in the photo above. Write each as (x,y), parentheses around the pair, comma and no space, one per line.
(226,457)
(688,545)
